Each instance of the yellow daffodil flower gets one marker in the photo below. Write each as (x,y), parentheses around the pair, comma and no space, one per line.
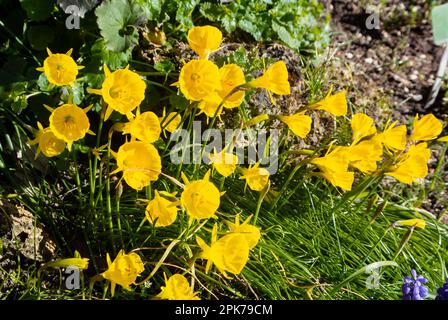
(161,211)
(171,121)
(177,288)
(124,270)
(60,69)
(223,162)
(209,105)
(123,90)
(335,104)
(250,232)
(427,128)
(274,80)
(69,123)
(256,178)
(198,79)
(364,155)
(231,77)
(393,137)
(77,261)
(200,198)
(362,126)
(417,223)
(299,124)
(47,142)
(229,254)
(140,163)
(144,127)
(443,139)
(334,168)
(412,165)
(204,40)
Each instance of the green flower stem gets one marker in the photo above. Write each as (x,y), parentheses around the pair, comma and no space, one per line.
(108,200)
(260,201)
(95,166)
(77,177)
(161,86)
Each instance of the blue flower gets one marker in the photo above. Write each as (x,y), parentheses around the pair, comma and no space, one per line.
(413,288)
(442,293)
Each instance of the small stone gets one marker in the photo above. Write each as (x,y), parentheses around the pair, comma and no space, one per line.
(368,60)
(417,97)
(349,55)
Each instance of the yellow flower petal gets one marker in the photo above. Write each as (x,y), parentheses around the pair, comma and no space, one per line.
(299,124)
(60,69)
(362,126)
(426,128)
(201,198)
(204,40)
(198,79)
(335,104)
(274,79)
(177,288)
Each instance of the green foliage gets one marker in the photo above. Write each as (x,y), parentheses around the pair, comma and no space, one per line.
(294,22)
(37,10)
(118,21)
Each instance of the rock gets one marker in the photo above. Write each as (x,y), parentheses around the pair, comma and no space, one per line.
(19,232)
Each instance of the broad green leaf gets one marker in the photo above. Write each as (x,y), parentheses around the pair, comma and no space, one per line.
(178,102)
(183,15)
(114,60)
(37,10)
(118,20)
(151,9)
(40,37)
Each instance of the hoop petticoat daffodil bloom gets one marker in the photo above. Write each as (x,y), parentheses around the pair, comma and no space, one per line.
(124,270)
(160,211)
(77,261)
(363,156)
(170,122)
(412,165)
(204,40)
(335,104)
(209,105)
(416,223)
(231,77)
(198,79)
(69,123)
(123,90)
(230,253)
(144,127)
(274,80)
(299,123)
(223,162)
(393,137)
(60,69)
(250,232)
(140,163)
(47,142)
(362,126)
(177,288)
(334,168)
(201,198)
(427,128)
(256,178)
